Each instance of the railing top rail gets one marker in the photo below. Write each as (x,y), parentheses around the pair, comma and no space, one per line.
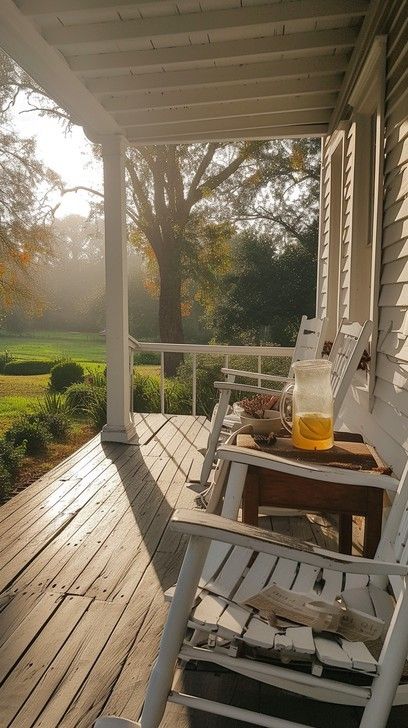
(279,351)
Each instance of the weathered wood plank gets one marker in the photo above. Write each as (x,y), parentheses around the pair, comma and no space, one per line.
(60,529)
(35,661)
(19,640)
(48,480)
(71,667)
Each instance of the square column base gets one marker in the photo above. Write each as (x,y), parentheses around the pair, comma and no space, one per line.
(127,435)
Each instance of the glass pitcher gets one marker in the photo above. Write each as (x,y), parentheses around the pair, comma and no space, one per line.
(312,405)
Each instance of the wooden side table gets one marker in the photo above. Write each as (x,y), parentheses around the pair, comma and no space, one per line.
(273,489)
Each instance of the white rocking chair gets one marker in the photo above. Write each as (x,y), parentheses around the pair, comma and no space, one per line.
(347,350)
(227,562)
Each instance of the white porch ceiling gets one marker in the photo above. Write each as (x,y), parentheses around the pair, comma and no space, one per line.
(161,71)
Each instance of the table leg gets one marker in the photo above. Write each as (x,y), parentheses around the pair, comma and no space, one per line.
(345,533)
(250,498)
(373,521)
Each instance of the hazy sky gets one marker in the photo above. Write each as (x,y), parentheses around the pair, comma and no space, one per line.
(68,154)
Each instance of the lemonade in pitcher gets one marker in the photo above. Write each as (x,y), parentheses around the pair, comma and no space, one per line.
(312,431)
(311,400)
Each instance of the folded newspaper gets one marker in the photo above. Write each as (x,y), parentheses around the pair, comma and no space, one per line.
(275,603)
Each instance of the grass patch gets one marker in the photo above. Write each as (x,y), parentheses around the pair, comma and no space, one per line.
(84,348)
(18,395)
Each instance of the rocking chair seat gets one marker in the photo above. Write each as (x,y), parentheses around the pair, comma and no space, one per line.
(238,573)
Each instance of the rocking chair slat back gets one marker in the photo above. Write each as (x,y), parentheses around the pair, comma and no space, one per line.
(310,340)
(347,350)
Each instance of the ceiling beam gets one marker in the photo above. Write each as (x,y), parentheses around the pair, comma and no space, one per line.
(274,132)
(262,19)
(24,44)
(223,110)
(219,75)
(240,50)
(228,110)
(210,94)
(54,7)
(232,124)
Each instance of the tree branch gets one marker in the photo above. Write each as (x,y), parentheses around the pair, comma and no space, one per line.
(204,163)
(82,188)
(211,183)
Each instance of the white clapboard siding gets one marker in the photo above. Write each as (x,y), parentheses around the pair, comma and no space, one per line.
(345,253)
(324,235)
(385,423)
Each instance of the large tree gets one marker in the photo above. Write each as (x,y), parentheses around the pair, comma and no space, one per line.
(282,196)
(171,196)
(25,209)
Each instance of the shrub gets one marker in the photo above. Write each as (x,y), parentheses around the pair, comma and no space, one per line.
(5,358)
(97,378)
(31,432)
(64,374)
(5,481)
(11,456)
(55,404)
(79,397)
(147,357)
(58,424)
(28,367)
(177,397)
(97,408)
(146,393)
(208,372)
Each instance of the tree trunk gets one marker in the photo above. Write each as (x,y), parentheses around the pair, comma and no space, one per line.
(170,321)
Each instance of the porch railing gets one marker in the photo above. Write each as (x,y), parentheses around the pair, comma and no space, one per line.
(260,352)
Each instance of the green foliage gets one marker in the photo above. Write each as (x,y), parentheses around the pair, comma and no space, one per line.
(5,358)
(11,456)
(65,374)
(55,404)
(27,368)
(5,481)
(178,391)
(147,357)
(146,395)
(79,396)
(32,432)
(55,413)
(267,292)
(96,409)
(57,424)
(97,378)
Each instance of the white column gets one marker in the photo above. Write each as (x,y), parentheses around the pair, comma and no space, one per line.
(119,427)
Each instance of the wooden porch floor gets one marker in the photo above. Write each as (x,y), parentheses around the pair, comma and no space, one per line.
(86,556)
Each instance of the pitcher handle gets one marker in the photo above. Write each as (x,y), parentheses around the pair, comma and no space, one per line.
(287,390)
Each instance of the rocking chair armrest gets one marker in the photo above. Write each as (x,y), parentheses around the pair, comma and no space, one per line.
(216,528)
(257,458)
(236,387)
(256,375)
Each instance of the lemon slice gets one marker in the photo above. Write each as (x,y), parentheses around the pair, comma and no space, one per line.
(315,427)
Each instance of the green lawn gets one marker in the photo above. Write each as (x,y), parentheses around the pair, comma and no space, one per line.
(84,348)
(18,394)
